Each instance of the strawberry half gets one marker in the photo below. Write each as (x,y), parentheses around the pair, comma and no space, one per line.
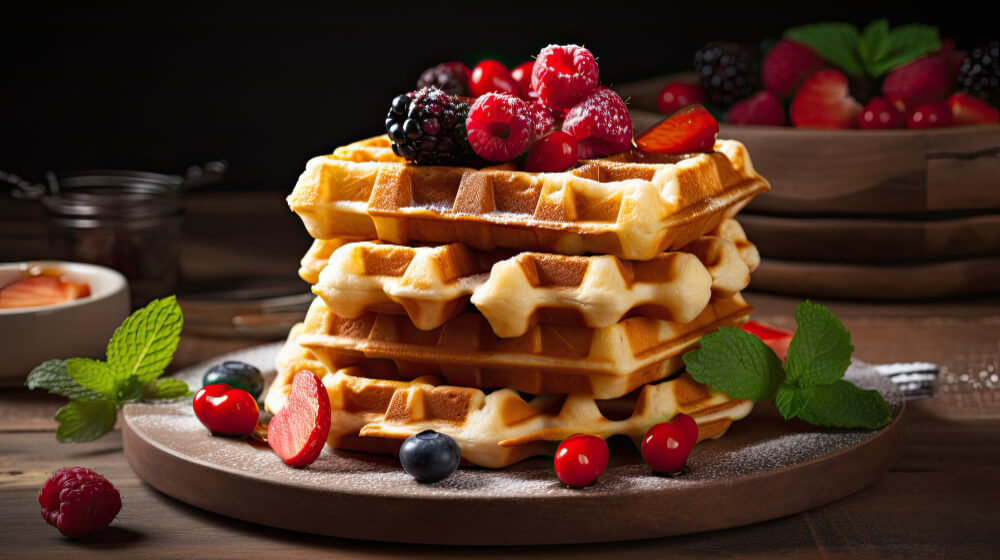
(776,338)
(969,110)
(299,431)
(692,129)
(824,101)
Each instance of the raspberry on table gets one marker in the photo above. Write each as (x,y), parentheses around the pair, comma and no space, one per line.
(563,75)
(600,123)
(77,501)
(500,126)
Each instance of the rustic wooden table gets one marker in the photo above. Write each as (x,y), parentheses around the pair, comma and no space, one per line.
(941,500)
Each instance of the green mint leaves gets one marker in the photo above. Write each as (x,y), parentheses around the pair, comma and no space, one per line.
(872,52)
(807,386)
(138,352)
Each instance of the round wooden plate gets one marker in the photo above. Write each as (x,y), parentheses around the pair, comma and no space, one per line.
(761,469)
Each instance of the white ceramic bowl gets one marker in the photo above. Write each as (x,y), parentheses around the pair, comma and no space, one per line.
(77,328)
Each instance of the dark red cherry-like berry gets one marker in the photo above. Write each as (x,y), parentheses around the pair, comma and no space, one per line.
(491,75)
(677,95)
(225,410)
(521,74)
(879,113)
(555,152)
(932,115)
(580,459)
(689,426)
(666,447)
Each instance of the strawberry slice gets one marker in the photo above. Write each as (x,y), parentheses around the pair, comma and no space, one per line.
(299,431)
(775,337)
(36,291)
(824,101)
(969,110)
(692,129)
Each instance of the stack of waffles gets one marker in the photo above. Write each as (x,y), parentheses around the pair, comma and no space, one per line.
(510,309)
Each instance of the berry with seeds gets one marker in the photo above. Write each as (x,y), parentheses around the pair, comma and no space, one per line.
(521,74)
(919,82)
(545,121)
(553,153)
(298,432)
(677,95)
(580,459)
(491,76)
(429,456)
(77,501)
(824,101)
(449,77)
(666,447)
(879,113)
(763,108)
(563,75)
(787,65)
(692,129)
(500,126)
(600,123)
(931,115)
(427,127)
(979,73)
(727,72)
(969,110)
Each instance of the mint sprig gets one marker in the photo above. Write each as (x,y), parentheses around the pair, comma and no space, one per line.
(137,354)
(872,52)
(807,386)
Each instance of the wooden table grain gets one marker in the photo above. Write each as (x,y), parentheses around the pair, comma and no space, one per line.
(941,500)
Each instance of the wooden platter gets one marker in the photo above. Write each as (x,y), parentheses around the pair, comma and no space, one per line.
(873,240)
(762,469)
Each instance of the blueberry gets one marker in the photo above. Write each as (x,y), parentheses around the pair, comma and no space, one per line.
(429,456)
(236,374)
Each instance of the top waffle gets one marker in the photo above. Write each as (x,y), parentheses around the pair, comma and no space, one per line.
(632,205)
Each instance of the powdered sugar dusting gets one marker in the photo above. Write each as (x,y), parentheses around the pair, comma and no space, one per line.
(761,443)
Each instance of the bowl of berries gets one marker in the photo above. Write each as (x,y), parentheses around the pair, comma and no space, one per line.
(881,145)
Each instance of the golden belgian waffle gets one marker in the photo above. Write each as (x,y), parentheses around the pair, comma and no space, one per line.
(496,429)
(434,284)
(603,363)
(632,205)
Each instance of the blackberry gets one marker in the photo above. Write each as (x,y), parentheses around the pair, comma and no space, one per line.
(980,73)
(728,72)
(449,77)
(427,127)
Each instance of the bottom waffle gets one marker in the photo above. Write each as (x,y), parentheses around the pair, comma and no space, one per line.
(496,429)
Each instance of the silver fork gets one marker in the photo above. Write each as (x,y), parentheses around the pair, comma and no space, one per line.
(915,380)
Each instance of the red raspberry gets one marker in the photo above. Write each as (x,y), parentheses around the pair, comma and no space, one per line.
(600,123)
(500,126)
(77,501)
(545,122)
(787,65)
(563,75)
(763,108)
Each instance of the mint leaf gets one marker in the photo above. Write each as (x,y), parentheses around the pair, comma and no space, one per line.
(53,377)
(130,390)
(789,400)
(737,363)
(843,405)
(85,420)
(821,349)
(836,42)
(905,43)
(93,374)
(873,43)
(145,343)
(165,388)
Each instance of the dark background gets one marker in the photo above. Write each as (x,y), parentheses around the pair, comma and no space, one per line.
(266,87)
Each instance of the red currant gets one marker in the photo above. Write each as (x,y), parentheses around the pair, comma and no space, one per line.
(491,75)
(677,95)
(521,74)
(580,459)
(879,113)
(225,410)
(666,447)
(689,425)
(553,153)
(932,115)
